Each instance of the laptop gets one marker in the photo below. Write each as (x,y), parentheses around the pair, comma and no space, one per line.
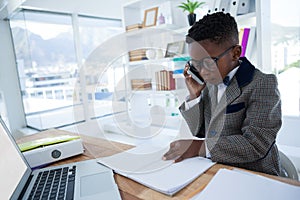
(86,180)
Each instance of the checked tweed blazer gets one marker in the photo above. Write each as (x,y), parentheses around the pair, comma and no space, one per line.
(241,129)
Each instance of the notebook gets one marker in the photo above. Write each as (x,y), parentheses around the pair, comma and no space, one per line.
(144,165)
(79,180)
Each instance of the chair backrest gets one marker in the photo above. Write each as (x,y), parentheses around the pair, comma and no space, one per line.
(287,167)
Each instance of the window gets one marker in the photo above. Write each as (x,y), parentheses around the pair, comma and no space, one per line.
(99,78)
(48,64)
(285,22)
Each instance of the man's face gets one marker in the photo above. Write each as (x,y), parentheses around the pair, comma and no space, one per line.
(211,60)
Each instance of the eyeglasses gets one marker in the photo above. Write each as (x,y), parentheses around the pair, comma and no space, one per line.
(209,63)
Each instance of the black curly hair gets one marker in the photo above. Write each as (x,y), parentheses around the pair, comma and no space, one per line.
(218,28)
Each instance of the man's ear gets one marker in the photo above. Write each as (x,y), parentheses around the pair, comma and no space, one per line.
(237,50)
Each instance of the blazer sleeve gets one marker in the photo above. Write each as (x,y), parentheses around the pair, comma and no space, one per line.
(258,129)
(194,118)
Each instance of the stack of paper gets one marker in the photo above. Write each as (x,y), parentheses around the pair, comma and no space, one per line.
(237,185)
(148,168)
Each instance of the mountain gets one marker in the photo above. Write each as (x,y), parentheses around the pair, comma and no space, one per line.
(43,52)
(284,35)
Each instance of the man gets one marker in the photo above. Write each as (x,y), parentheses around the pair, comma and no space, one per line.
(238,120)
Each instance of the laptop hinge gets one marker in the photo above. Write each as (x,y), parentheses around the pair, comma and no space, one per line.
(25,187)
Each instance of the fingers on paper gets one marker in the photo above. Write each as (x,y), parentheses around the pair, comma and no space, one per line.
(174,152)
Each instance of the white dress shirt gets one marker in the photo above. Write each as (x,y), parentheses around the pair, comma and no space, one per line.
(221,89)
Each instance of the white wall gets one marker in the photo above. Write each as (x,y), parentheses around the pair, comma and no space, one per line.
(289,133)
(288,139)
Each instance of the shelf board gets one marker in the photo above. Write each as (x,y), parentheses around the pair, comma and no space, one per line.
(161,28)
(159,92)
(153,61)
(246,16)
(142,4)
(183,30)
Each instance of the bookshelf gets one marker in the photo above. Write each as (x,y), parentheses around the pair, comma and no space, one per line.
(142,73)
(257,15)
(258,18)
(133,13)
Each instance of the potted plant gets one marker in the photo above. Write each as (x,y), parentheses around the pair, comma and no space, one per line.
(191,6)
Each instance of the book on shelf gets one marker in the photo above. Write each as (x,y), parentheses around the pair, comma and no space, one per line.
(134,27)
(164,80)
(251,42)
(137,58)
(141,84)
(243,37)
(138,54)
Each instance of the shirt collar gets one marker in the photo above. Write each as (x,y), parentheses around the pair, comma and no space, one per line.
(230,75)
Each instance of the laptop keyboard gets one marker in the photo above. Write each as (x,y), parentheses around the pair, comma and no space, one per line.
(54,184)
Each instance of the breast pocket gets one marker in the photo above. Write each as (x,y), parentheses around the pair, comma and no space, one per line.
(235,116)
(235,107)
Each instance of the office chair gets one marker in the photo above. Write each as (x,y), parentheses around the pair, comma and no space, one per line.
(287,167)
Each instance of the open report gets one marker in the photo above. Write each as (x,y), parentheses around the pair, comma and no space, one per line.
(144,165)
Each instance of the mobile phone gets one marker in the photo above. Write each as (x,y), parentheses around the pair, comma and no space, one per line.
(194,73)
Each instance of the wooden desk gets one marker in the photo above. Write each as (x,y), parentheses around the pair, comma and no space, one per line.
(131,190)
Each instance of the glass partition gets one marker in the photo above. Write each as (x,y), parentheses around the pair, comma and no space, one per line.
(47,62)
(285,19)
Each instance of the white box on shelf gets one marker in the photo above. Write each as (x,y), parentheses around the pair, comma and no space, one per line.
(52,153)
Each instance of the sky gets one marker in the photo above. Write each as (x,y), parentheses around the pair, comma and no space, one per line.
(47,31)
(285,12)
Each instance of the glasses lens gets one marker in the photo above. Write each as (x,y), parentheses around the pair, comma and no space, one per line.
(209,63)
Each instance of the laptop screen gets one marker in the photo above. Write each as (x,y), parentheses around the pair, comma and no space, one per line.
(13,169)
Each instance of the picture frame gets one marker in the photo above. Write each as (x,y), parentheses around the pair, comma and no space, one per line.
(150,17)
(174,48)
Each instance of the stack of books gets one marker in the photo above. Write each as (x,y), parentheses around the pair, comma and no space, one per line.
(133,27)
(137,55)
(164,80)
(141,84)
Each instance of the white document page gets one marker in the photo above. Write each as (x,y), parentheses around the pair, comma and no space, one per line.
(150,170)
(173,178)
(237,185)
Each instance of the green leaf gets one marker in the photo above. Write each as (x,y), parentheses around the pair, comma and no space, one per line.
(190,6)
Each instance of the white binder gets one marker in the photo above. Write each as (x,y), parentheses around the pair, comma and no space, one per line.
(217,5)
(211,6)
(225,6)
(243,7)
(233,8)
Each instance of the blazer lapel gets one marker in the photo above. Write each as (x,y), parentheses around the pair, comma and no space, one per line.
(232,92)
(243,76)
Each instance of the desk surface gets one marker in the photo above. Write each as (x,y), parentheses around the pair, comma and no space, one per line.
(131,190)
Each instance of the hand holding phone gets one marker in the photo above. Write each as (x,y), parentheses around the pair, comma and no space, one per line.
(195,74)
